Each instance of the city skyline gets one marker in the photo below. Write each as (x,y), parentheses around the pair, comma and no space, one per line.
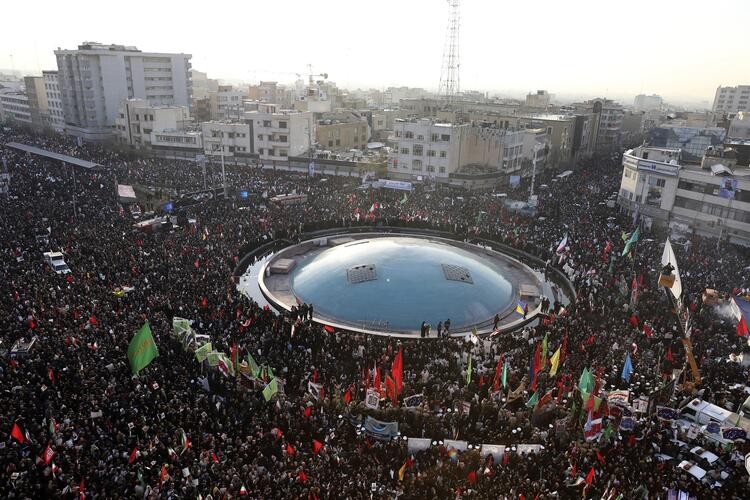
(547,52)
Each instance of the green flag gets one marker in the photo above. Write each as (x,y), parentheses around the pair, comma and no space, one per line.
(180,325)
(468,372)
(586,382)
(505,375)
(608,431)
(544,350)
(534,400)
(633,239)
(254,368)
(202,352)
(214,357)
(270,372)
(404,199)
(270,389)
(142,349)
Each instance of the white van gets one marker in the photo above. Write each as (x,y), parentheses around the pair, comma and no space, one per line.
(56,261)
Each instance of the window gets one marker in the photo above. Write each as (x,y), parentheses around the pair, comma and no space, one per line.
(435,137)
(430,168)
(338,142)
(417,150)
(282,138)
(404,151)
(441,170)
(445,137)
(282,125)
(431,152)
(398,133)
(260,151)
(330,143)
(260,137)
(443,154)
(282,152)
(266,123)
(416,165)
(409,135)
(420,137)
(661,182)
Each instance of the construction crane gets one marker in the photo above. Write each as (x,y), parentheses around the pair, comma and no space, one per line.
(310,75)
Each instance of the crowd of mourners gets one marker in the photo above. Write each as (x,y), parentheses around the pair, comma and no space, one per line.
(90,429)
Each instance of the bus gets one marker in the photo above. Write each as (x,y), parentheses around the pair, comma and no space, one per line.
(289,199)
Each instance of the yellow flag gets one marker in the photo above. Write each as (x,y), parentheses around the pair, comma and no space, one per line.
(554,361)
(401,472)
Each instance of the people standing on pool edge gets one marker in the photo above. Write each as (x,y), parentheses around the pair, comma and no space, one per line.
(447,327)
(495,322)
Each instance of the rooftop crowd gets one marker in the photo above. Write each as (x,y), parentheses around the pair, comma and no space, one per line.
(240,443)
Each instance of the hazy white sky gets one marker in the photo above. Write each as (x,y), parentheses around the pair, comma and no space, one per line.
(680,49)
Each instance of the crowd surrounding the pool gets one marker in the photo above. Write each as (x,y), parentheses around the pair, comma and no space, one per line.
(79,425)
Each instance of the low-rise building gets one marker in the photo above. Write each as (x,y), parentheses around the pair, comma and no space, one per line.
(665,192)
(692,141)
(644,102)
(177,143)
(227,139)
(739,127)
(137,119)
(229,103)
(342,131)
(278,134)
(263,92)
(541,99)
(461,154)
(15,108)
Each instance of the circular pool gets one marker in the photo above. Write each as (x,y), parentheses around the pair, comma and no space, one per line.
(392,283)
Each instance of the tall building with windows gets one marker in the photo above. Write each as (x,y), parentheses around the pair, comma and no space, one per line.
(731,100)
(95,78)
(55,116)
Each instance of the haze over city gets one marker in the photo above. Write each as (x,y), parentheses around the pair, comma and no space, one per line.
(574,49)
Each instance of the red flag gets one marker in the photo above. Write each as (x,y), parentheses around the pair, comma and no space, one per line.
(133,455)
(397,369)
(634,320)
(81,491)
(472,477)
(204,302)
(377,384)
(742,329)
(93,321)
(302,476)
(197,263)
(317,446)
(163,474)
(669,354)
(600,458)
(590,477)
(564,350)
(17,433)
(289,450)
(390,389)
(51,375)
(307,411)
(48,454)
(329,329)
(505,459)
(498,373)
(347,396)
(234,356)
(214,457)
(647,330)
(315,376)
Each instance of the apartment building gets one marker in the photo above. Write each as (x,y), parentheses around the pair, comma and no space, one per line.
(15,108)
(37,100)
(342,131)
(55,115)
(279,134)
(137,119)
(227,139)
(732,100)
(95,78)
(712,201)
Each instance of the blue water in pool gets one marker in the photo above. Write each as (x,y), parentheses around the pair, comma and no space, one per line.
(410,287)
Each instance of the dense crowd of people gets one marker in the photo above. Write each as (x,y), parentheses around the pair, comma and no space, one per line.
(90,429)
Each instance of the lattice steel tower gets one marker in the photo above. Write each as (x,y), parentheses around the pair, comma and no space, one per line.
(450,81)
